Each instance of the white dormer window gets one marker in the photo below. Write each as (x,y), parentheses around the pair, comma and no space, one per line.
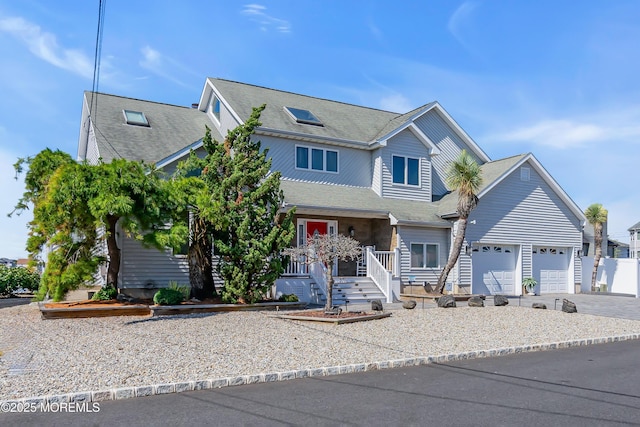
(525,174)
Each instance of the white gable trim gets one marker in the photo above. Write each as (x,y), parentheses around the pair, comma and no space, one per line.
(178,154)
(206,94)
(457,129)
(415,130)
(547,179)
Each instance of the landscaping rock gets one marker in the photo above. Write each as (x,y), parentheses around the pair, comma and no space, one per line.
(376,305)
(500,300)
(334,310)
(568,306)
(476,301)
(127,298)
(409,305)
(446,301)
(539,305)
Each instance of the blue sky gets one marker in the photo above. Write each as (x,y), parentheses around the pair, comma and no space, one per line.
(548,77)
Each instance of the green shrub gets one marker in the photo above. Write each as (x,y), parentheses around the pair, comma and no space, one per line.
(105,294)
(288,298)
(12,279)
(185,290)
(168,296)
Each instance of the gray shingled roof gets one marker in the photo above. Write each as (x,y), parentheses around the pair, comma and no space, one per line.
(341,120)
(351,200)
(172,128)
(491,171)
(634,227)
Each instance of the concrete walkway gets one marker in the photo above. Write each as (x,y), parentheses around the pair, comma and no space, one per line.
(598,304)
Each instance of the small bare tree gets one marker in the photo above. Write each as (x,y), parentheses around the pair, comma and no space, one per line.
(326,249)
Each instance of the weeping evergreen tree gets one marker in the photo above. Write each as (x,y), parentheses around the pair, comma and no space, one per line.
(72,201)
(243,207)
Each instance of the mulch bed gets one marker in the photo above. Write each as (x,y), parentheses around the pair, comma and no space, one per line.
(344,317)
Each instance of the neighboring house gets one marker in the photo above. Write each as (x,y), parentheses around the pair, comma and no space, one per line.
(588,240)
(617,249)
(634,244)
(8,262)
(376,175)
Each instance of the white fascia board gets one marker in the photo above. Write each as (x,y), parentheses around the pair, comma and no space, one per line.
(85,125)
(312,138)
(415,130)
(545,176)
(178,154)
(206,93)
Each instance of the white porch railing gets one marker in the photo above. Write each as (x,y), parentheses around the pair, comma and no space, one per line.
(390,260)
(380,275)
(296,268)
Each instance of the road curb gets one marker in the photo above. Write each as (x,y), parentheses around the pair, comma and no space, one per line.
(207,384)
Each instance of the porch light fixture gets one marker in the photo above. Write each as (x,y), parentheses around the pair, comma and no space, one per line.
(352,231)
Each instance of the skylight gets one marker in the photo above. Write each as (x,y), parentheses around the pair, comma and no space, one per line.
(303,116)
(135,118)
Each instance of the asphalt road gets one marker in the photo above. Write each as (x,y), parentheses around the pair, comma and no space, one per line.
(597,385)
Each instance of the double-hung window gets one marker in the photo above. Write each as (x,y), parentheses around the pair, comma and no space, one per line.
(424,255)
(406,170)
(317,159)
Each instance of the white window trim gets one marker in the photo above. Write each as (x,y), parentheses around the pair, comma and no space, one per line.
(212,102)
(406,172)
(424,245)
(309,159)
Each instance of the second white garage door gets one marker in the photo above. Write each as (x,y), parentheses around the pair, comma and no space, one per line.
(493,269)
(551,269)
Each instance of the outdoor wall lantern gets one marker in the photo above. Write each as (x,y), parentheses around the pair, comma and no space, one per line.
(352,231)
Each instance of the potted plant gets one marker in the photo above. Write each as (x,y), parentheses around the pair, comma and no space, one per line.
(529,283)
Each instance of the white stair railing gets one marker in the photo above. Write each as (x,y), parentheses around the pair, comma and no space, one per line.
(380,275)
(317,271)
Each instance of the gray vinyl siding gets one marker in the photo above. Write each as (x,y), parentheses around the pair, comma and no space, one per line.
(354,166)
(465,270)
(93,155)
(408,235)
(227,121)
(142,266)
(449,144)
(516,212)
(407,145)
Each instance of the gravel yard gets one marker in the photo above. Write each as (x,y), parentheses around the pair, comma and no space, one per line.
(44,357)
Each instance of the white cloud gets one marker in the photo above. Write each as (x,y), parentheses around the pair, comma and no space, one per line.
(257,13)
(45,46)
(396,103)
(570,133)
(163,66)
(459,20)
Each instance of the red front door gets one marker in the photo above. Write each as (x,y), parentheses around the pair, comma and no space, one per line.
(316,226)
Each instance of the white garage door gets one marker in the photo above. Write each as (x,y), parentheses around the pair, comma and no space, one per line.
(493,269)
(551,269)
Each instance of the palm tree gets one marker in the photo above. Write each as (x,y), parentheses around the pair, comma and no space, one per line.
(597,216)
(465,177)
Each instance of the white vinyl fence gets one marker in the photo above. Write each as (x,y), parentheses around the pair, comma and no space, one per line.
(617,275)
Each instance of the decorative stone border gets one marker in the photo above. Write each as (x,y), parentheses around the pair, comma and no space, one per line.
(157,389)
